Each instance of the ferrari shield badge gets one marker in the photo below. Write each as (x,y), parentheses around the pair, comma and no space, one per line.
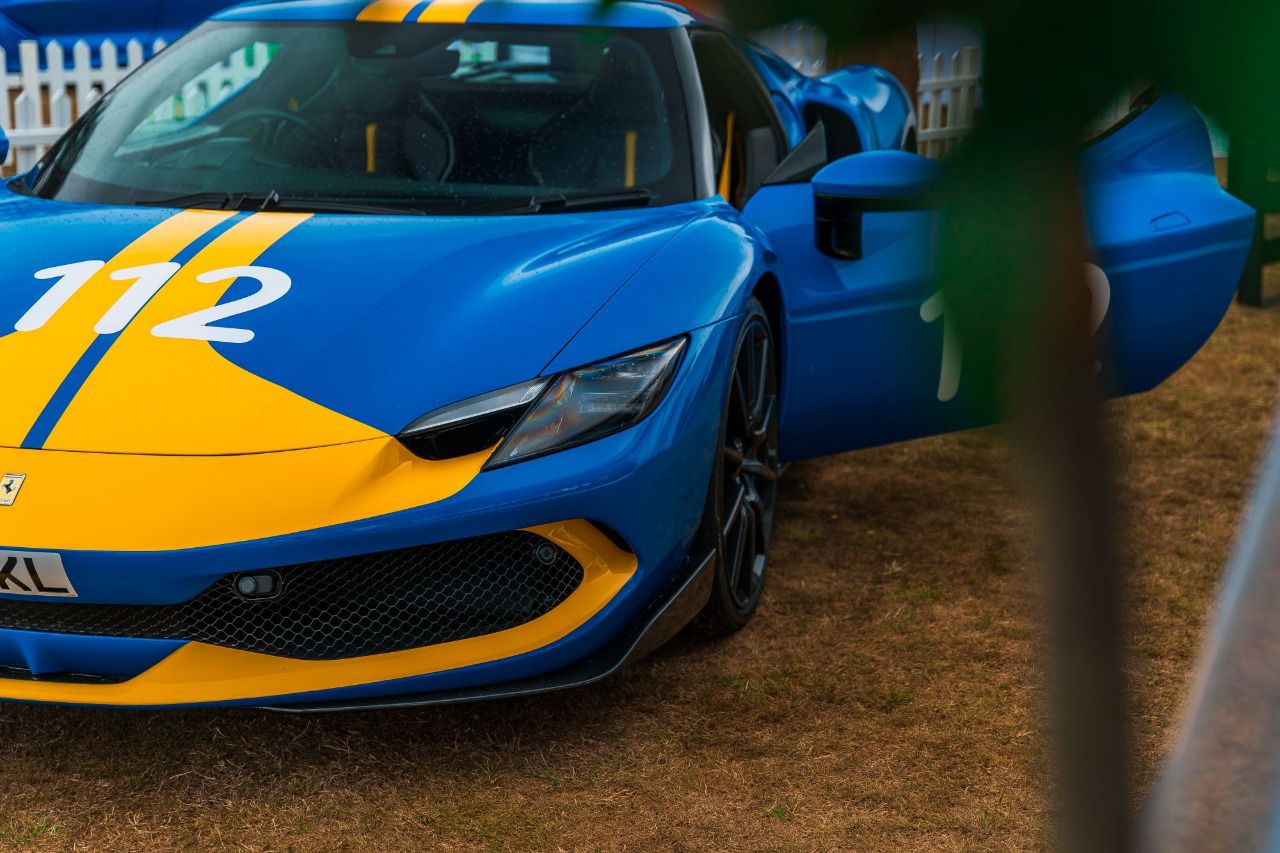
(10,485)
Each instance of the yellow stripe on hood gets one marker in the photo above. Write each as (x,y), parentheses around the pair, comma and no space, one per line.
(387,11)
(40,360)
(171,396)
(448,11)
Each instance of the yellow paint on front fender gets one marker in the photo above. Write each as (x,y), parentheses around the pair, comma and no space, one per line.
(111,502)
(199,673)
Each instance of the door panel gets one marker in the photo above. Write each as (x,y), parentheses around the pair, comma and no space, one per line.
(1172,241)
(869,357)
(862,366)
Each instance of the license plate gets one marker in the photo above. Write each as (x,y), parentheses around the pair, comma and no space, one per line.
(35,574)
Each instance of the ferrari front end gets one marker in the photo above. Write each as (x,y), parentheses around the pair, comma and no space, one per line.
(353,574)
(327,384)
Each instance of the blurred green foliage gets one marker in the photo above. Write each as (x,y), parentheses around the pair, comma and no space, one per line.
(1050,67)
(1011,250)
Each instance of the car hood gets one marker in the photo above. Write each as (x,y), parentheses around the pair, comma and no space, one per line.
(380,319)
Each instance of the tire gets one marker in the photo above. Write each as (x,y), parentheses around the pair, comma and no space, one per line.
(741,500)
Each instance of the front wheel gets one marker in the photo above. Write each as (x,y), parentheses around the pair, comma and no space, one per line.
(744,487)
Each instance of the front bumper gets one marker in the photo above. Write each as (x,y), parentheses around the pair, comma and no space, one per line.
(159,531)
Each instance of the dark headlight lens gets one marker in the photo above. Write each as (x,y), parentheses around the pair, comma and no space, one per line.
(546,415)
(591,403)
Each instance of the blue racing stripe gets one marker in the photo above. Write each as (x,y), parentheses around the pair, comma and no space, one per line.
(184,257)
(66,392)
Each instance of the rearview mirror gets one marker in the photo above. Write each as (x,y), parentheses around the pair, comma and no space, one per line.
(871,182)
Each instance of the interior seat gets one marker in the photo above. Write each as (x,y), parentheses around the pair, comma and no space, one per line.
(388,127)
(613,138)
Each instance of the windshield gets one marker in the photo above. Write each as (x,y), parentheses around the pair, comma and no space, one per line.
(369,116)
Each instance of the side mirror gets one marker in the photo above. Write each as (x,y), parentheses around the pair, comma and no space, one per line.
(871,182)
(4,147)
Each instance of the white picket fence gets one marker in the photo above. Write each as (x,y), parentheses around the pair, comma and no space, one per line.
(46,96)
(948,104)
(801,44)
(40,102)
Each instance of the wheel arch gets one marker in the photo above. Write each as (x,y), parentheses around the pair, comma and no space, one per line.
(876,103)
(768,289)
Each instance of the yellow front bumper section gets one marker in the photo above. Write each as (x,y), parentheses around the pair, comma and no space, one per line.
(198,673)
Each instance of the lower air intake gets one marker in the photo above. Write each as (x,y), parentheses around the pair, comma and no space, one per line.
(335,609)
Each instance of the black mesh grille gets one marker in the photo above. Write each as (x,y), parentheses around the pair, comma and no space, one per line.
(347,608)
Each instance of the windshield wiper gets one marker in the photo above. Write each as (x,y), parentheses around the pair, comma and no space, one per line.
(205,201)
(325,205)
(559,202)
(272,200)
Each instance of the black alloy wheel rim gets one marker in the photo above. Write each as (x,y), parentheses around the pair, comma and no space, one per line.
(750,465)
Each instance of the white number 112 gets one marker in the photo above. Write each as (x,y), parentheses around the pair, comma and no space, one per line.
(147,282)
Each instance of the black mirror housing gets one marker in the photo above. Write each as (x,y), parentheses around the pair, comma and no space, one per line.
(871,182)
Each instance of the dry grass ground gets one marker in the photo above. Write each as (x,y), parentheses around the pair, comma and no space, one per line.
(885,699)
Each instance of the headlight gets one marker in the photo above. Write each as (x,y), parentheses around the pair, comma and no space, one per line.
(547,415)
(478,424)
(591,403)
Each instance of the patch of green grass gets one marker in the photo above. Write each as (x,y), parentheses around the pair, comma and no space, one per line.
(983,622)
(926,595)
(779,813)
(1002,560)
(887,700)
(453,819)
(919,595)
(550,774)
(23,834)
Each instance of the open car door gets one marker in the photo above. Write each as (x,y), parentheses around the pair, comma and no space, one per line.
(869,357)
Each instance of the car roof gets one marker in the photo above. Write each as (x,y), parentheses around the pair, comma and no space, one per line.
(633,14)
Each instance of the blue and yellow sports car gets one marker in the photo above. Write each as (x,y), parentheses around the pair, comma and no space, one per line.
(378,353)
